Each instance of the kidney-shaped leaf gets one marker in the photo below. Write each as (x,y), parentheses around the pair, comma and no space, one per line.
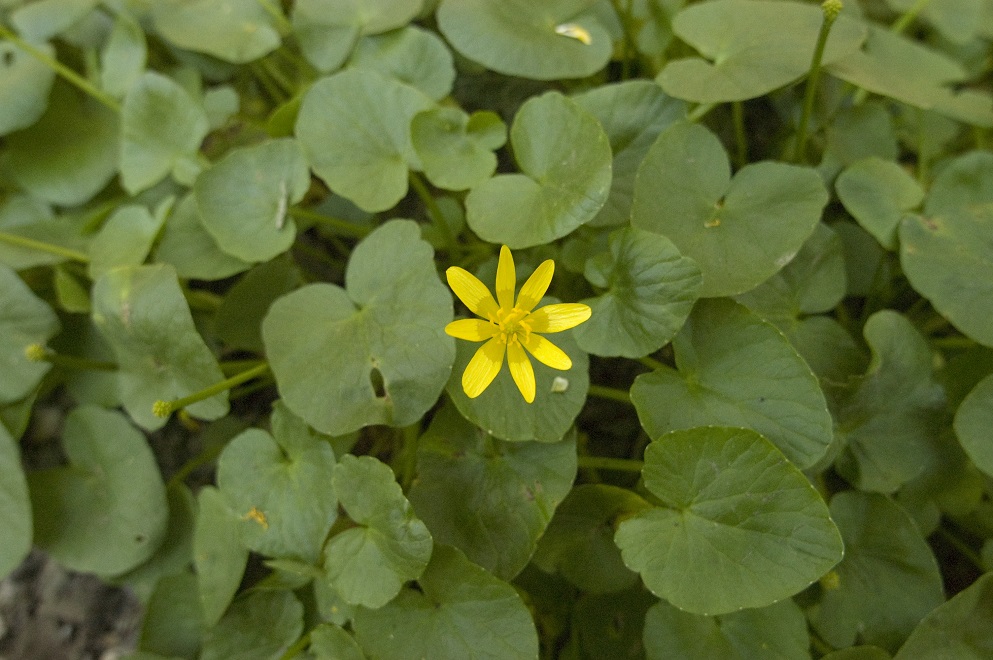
(372,353)
(107,512)
(24,85)
(262,624)
(218,553)
(460,611)
(756,46)
(739,230)
(244,199)
(541,40)
(650,290)
(355,129)
(736,369)
(411,55)
(141,312)
(565,160)
(15,507)
(739,526)
(235,30)
(489,498)
(25,319)
(878,193)
(368,564)
(455,148)
(280,487)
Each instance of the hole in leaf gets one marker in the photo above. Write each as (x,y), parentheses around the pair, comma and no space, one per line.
(7,58)
(376,378)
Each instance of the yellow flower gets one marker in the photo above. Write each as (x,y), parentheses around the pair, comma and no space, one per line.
(510,328)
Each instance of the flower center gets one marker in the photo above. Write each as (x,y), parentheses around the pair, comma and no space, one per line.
(512,324)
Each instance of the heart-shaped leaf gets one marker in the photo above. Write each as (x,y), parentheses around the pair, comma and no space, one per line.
(281,487)
(489,498)
(460,611)
(733,368)
(545,40)
(235,30)
(355,129)
(368,564)
(739,525)
(878,193)
(141,312)
(756,46)
(107,512)
(262,624)
(25,319)
(186,245)
(455,148)
(650,290)
(244,199)
(331,349)
(739,230)
(24,85)
(565,160)
(411,55)
(959,628)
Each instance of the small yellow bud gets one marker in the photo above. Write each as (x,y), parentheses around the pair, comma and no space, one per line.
(573,31)
(831,9)
(162,409)
(35,352)
(830,581)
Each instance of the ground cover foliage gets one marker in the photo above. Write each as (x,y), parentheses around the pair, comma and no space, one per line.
(230,223)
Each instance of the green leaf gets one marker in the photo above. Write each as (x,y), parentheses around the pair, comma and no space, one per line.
(218,554)
(861,652)
(15,506)
(739,526)
(959,21)
(368,564)
(235,31)
(460,611)
(285,482)
(24,85)
(355,129)
(328,29)
(888,422)
(856,133)
(262,624)
(947,259)
(735,369)
(173,623)
(238,321)
(141,312)
(776,631)
(739,230)
(888,580)
(413,56)
(123,56)
(26,216)
(456,149)
(331,642)
(186,246)
(565,160)
(36,156)
(755,46)
(161,125)
(125,239)
(579,541)
(632,114)
(957,629)
(25,319)
(326,344)
(501,410)
(650,290)
(244,199)
(44,19)
(611,625)
(973,421)
(528,39)
(489,498)
(107,512)
(963,182)
(878,193)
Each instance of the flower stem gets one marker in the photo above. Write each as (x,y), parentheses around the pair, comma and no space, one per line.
(651,363)
(41,246)
(61,69)
(166,408)
(434,211)
(609,463)
(611,393)
(740,137)
(283,26)
(38,353)
(902,23)
(339,226)
(831,10)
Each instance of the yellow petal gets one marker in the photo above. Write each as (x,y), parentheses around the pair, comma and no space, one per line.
(471,291)
(471,329)
(521,370)
(547,353)
(483,368)
(506,279)
(558,317)
(536,286)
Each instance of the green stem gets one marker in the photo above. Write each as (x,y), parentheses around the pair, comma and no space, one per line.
(953,342)
(698,112)
(902,23)
(283,26)
(343,227)
(297,648)
(208,455)
(611,393)
(278,76)
(274,91)
(239,365)
(608,463)
(651,363)
(38,353)
(740,137)
(166,408)
(32,244)
(434,211)
(629,48)
(61,69)
(962,547)
(831,10)
(405,463)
